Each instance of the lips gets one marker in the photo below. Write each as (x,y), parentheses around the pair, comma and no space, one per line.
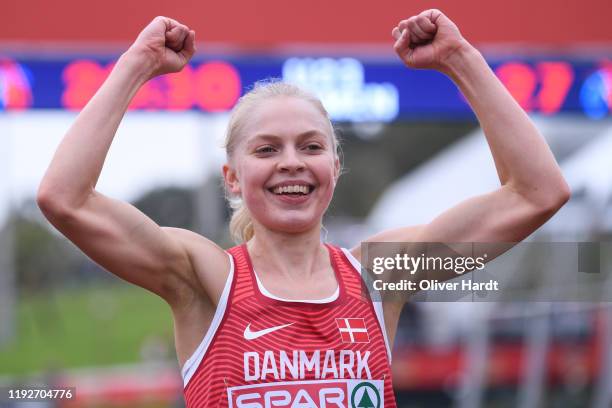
(292,192)
(292,188)
(294,198)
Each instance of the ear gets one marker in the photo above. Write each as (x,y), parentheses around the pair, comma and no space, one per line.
(336,170)
(231,179)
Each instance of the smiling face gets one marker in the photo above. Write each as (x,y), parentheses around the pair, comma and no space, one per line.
(284,165)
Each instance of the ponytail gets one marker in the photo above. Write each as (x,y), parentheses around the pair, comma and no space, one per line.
(241,225)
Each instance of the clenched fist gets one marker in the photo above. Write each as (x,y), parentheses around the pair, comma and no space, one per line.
(428,40)
(165,46)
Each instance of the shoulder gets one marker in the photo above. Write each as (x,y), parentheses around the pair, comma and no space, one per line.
(403,234)
(211,263)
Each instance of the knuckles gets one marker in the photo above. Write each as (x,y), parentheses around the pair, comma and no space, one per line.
(434,12)
(429,14)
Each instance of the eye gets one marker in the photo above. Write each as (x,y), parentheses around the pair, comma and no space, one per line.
(314,147)
(265,149)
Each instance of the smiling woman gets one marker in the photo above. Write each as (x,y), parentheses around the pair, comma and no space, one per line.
(270,156)
(281,318)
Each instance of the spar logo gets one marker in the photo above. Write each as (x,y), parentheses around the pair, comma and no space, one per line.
(365,395)
(309,394)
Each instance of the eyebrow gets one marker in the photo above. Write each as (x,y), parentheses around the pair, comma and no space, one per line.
(274,138)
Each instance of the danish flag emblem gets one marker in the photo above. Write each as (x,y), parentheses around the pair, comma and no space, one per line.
(353,330)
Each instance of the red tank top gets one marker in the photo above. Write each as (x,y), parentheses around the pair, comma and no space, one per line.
(264,352)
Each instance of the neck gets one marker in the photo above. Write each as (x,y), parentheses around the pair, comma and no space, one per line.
(292,255)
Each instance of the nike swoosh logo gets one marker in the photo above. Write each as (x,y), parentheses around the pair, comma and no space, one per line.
(252,335)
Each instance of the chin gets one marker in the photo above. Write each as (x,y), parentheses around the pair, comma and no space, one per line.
(293,226)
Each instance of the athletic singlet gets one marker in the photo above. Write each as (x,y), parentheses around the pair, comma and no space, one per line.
(264,352)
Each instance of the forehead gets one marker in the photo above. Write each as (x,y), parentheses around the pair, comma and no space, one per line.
(285,117)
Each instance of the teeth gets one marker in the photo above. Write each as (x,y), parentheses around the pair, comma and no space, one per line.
(291,189)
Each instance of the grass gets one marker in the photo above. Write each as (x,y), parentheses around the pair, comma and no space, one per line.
(86,327)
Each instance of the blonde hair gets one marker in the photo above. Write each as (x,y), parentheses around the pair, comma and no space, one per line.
(241,225)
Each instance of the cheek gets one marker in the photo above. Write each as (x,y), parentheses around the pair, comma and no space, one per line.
(250,172)
(326,171)
(326,175)
(251,184)
(253,179)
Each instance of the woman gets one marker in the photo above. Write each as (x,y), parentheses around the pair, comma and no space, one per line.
(280,320)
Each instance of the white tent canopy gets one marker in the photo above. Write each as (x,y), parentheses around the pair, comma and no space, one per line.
(466,168)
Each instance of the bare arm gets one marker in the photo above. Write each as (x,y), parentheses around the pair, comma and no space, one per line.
(532,186)
(115,234)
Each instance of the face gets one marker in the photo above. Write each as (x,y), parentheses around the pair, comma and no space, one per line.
(284,165)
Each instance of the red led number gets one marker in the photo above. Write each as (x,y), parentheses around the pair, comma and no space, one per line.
(520,80)
(556,79)
(543,88)
(217,86)
(213,86)
(82,79)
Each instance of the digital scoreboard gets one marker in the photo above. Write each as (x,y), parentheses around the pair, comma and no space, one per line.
(352,89)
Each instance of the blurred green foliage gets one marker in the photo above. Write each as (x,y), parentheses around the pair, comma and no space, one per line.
(86,326)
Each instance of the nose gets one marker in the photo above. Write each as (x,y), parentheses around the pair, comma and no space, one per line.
(291,161)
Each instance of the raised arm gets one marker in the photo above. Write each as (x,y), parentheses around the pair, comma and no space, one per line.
(115,234)
(532,186)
